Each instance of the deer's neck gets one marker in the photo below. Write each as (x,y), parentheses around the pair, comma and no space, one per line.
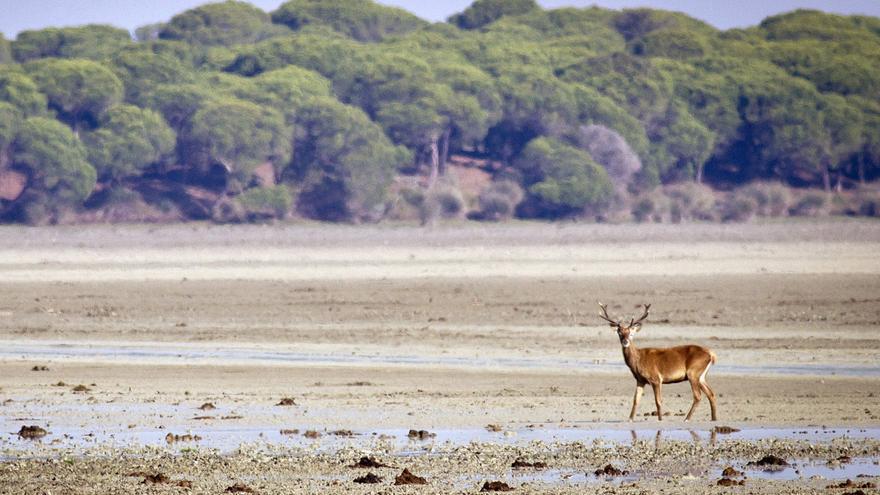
(631,356)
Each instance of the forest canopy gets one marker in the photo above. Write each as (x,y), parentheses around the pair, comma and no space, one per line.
(348,110)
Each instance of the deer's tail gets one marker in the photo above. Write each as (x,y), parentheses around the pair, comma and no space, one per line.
(712,357)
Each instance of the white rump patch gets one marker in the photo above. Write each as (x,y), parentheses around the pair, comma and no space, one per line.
(703,375)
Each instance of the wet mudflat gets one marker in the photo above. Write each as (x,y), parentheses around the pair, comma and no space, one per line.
(203,361)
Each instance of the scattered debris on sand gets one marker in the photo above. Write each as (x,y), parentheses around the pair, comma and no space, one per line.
(207,406)
(420,434)
(81,389)
(32,432)
(730,482)
(40,368)
(494,428)
(368,462)
(287,401)
(407,478)
(312,434)
(851,484)
(294,431)
(172,438)
(369,479)
(724,430)
(239,488)
(521,463)
(610,470)
(343,433)
(496,486)
(157,478)
(770,463)
(730,472)
(59,384)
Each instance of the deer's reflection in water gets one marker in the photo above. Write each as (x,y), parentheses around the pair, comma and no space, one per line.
(658,437)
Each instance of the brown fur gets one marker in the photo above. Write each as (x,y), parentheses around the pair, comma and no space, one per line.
(656,366)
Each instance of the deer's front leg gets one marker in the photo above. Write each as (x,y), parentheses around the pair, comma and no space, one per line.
(640,389)
(657,400)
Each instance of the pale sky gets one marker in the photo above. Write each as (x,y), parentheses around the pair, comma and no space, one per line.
(18,15)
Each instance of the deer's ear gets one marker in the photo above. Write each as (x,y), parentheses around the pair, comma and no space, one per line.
(636,327)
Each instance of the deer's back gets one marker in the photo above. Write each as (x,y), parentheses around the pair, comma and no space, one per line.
(673,363)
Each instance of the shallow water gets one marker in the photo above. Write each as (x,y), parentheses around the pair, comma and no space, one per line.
(194,354)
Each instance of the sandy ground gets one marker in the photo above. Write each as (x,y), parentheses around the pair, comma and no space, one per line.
(380,330)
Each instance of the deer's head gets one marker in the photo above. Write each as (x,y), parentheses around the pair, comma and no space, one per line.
(624,330)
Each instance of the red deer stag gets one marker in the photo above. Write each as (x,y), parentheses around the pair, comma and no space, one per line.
(659,366)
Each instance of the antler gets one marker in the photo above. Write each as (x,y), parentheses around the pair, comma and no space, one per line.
(604,314)
(641,318)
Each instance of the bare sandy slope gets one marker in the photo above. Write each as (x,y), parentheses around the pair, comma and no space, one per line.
(396,328)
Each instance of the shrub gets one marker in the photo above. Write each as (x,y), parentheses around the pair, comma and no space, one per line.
(499,201)
(810,204)
(772,198)
(690,201)
(442,201)
(868,202)
(738,208)
(651,207)
(266,202)
(228,210)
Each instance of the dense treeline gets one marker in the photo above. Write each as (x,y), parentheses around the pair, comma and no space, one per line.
(347,110)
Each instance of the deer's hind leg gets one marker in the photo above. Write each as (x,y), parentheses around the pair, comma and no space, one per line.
(709,393)
(695,388)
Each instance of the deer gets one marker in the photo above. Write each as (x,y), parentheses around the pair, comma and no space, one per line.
(663,366)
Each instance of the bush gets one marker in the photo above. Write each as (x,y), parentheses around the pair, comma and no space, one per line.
(499,201)
(651,207)
(868,203)
(772,198)
(228,210)
(266,202)
(690,201)
(738,208)
(810,204)
(442,201)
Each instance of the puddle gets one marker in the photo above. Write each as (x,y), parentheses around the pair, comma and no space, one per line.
(194,354)
(819,469)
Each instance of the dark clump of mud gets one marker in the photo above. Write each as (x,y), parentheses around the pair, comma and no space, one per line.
(730,482)
(851,484)
(494,428)
(369,479)
(239,488)
(172,438)
(81,389)
(294,431)
(40,368)
(521,463)
(730,472)
(725,430)
(770,462)
(654,413)
(343,433)
(311,434)
(287,401)
(407,478)
(420,434)
(59,384)
(32,432)
(496,486)
(207,406)
(609,470)
(368,462)
(157,478)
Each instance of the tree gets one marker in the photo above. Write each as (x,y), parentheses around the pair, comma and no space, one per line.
(235,135)
(363,20)
(680,145)
(483,12)
(144,67)
(94,41)
(610,149)
(21,92)
(224,23)
(10,120)
(561,180)
(79,90)
(5,50)
(343,162)
(128,141)
(55,159)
